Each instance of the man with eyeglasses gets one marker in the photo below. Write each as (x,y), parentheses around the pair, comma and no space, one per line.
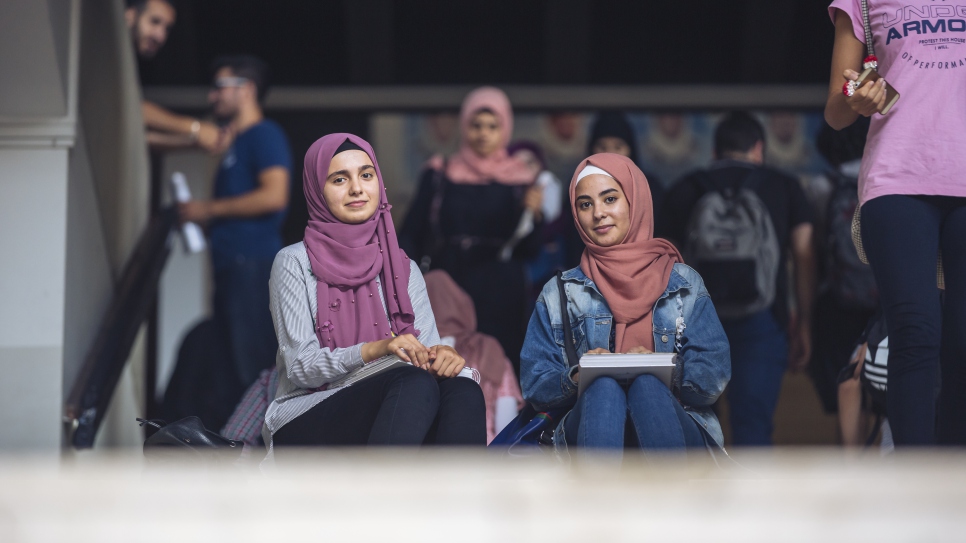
(246,213)
(150,22)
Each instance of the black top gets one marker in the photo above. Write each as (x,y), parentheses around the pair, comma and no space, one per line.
(780,192)
(474,221)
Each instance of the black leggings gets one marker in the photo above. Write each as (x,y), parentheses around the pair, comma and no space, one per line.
(403,406)
(902,236)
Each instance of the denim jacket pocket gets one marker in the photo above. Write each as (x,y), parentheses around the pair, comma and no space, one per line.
(577,338)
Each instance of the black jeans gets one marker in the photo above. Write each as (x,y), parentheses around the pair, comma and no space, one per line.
(403,406)
(902,236)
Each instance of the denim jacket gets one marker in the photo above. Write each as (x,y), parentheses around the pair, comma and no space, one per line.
(685,322)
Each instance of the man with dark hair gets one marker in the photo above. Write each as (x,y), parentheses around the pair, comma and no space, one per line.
(245,216)
(736,222)
(149,22)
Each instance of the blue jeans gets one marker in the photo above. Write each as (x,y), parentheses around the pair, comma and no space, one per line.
(658,422)
(759,356)
(902,236)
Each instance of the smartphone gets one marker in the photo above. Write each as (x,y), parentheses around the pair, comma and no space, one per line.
(892,95)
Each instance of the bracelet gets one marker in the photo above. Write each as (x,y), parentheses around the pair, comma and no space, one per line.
(195,130)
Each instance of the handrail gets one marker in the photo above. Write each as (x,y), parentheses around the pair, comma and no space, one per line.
(523,97)
(134,296)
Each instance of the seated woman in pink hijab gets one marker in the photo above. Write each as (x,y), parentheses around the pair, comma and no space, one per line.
(632,293)
(347,296)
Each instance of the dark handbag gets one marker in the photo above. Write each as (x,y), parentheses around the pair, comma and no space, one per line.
(188,438)
(532,427)
(434,242)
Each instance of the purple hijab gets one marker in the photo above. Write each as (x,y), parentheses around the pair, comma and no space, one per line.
(346,258)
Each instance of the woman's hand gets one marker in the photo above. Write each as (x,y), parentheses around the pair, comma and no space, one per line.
(639,350)
(533,199)
(869,98)
(446,362)
(598,351)
(406,347)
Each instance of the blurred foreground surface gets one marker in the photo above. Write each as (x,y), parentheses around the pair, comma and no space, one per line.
(422,495)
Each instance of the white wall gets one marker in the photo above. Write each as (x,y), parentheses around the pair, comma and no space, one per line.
(33,212)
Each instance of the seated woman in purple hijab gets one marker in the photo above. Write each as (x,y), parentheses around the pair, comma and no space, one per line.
(347,296)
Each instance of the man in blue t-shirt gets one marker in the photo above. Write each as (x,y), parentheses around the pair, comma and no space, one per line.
(246,213)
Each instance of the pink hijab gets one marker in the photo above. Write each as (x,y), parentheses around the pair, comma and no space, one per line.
(633,274)
(346,258)
(468,168)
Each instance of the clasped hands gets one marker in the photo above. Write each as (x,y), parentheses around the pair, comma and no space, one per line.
(438,360)
(632,350)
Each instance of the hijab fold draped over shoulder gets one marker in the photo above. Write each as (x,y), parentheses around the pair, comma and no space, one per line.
(633,274)
(347,258)
(466,167)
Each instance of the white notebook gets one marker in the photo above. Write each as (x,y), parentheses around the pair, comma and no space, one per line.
(625,367)
(387,363)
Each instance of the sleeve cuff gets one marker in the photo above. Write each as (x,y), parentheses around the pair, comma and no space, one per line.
(352,358)
(570,375)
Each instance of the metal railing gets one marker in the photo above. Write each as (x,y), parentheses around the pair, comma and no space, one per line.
(133,299)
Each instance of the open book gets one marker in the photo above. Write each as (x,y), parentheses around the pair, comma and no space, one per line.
(625,367)
(387,363)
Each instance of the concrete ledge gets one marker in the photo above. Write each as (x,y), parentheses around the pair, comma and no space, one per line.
(433,495)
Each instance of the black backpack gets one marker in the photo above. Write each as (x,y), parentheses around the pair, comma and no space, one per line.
(849,280)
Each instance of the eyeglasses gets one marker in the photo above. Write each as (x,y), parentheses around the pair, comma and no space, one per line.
(225,82)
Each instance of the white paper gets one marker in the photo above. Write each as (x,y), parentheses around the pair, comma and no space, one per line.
(194,238)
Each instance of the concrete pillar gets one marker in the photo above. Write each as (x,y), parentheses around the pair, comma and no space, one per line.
(38,63)
(73,201)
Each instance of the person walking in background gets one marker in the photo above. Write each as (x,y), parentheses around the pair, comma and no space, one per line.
(244,216)
(550,254)
(468,207)
(736,222)
(913,202)
(847,294)
(150,22)
(347,296)
(612,132)
(630,294)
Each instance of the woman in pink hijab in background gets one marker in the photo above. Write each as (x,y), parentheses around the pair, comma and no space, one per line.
(348,296)
(466,214)
(456,319)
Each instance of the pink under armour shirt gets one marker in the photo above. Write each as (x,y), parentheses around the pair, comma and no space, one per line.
(920,146)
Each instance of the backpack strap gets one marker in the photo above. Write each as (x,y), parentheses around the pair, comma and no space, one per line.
(572,359)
